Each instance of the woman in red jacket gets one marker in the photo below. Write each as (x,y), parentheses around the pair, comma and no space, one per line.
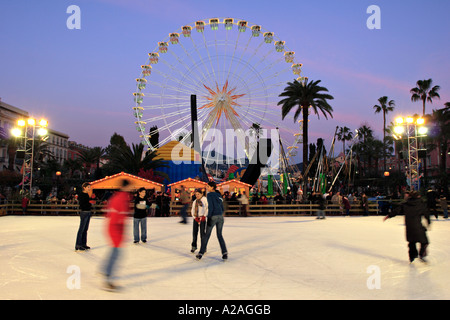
(117,210)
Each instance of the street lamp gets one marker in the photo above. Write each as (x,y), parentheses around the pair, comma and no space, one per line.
(26,130)
(413,128)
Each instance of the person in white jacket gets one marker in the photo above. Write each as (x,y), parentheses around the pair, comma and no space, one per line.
(199,212)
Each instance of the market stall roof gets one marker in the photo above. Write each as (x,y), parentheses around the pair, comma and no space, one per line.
(188,183)
(113,182)
(234,186)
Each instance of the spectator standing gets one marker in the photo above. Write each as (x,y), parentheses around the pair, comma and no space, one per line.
(243,199)
(347,206)
(140,216)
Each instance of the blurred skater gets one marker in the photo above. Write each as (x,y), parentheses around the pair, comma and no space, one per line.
(85,216)
(199,212)
(185,198)
(319,199)
(215,218)
(117,210)
(414,208)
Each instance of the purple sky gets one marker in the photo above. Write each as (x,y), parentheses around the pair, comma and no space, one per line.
(82,80)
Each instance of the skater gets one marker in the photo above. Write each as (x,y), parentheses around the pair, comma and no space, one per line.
(443,204)
(140,216)
(215,218)
(199,212)
(413,208)
(85,217)
(185,198)
(319,199)
(116,212)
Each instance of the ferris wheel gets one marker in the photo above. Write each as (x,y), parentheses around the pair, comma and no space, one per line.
(236,70)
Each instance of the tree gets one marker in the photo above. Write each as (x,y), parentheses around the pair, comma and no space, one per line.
(423,91)
(133,160)
(304,96)
(385,107)
(92,156)
(365,135)
(344,134)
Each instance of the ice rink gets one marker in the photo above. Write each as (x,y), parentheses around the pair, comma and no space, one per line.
(277,258)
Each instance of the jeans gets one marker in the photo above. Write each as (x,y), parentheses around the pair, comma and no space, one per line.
(196,228)
(85,217)
(111,262)
(143,223)
(217,221)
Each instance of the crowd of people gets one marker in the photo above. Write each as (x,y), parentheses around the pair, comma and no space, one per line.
(160,204)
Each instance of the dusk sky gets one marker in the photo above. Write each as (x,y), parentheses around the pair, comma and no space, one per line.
(83,80)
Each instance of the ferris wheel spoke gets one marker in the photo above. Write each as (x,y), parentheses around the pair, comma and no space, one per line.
(188,54)
(173,79)
(207,73)
(194,79)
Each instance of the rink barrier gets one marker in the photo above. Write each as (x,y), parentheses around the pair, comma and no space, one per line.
(301,209)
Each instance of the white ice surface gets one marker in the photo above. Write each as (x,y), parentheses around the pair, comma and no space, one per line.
(269,258)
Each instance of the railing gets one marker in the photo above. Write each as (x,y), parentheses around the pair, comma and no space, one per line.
(284,209)
(375,208)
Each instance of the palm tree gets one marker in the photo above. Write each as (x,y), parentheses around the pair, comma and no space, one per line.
(423,91)
(132,159)
(92,156)
(365,135)
(385,106)
(344,134)
(304,96)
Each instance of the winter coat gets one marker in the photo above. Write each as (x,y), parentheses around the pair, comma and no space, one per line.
(215,204)
(346,203)
(117,210)
(83,200)
(202,209)
(414,209)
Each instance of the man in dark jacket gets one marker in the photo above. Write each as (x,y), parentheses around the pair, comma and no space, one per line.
(215,218)
(414,208)
(85,217)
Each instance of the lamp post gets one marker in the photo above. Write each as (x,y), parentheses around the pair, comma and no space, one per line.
(412,128)
(27,130)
